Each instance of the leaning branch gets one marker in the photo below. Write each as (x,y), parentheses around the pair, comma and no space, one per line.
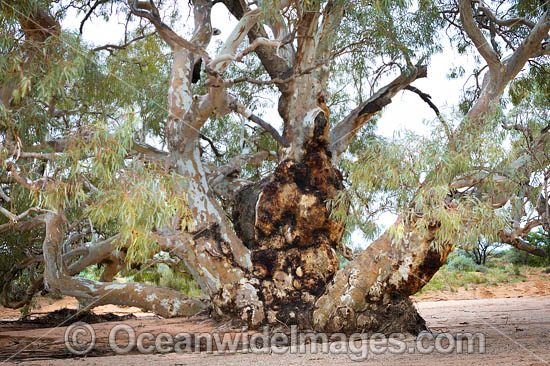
(483,47)
(147,10)
(345,130)
(523,245)
(212,146)
(277,81)
(20,178)
(224,58)
(277,62)
(4,196)
(511,22)
(148,150)
(228,51)
(111,47)
(39,156)
(530,47)
(15,218)
(91,254)
(23,226)
(162,301)
(245,112)
(428,99)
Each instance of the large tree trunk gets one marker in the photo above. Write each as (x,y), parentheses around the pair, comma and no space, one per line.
(372,293)
(285,222)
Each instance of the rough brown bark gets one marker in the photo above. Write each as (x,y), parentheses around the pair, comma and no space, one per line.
(284,221)
(372,293)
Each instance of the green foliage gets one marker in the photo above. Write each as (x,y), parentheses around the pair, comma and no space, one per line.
(386,176)
(394,29)
(539,239)
(461,263)
(18,287)
(166,276)
(532,88)
(92,272)
(126,196)
(451,278)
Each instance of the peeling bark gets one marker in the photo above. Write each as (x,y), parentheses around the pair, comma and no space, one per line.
(162,301)
(371,293)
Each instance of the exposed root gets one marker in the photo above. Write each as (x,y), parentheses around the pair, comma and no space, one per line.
(397,316)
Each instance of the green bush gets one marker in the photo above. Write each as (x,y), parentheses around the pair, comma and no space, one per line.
(480,268)
(18,287)
(164,276)
(459,262)
(538,239)
(92,272)
(472,277)
(513,269)
(522,258)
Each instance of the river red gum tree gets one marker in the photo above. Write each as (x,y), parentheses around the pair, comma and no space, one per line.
(274,259)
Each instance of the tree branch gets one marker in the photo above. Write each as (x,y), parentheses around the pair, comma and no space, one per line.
(16,218)
(110,47)
(512,22)
(162,301)
(529,48)
(426,98)
(225,180)
(89,13)
(92,253)
(212,146)
(225,58)
(166,33)
(341,135)
(483,47)
(36,155)
(278,63)
(23,226)
(243,111)
(11,167)
(148,150)
(4,196)
(523,245)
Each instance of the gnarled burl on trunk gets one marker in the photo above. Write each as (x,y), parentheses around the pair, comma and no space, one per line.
(284,221)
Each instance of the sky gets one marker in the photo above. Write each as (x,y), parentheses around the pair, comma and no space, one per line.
(407,110)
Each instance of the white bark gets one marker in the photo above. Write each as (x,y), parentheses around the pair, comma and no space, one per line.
(90,293)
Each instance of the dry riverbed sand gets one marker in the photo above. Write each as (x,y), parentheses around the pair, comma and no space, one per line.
(514,317)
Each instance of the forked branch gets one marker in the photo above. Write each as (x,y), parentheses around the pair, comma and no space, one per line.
(147,10)
(483,47)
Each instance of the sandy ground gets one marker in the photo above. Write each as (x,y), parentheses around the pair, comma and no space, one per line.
(537,283)
(46,305)
(514,318)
